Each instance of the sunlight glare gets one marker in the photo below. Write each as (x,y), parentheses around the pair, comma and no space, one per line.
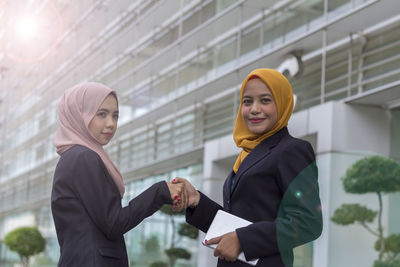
(26,27)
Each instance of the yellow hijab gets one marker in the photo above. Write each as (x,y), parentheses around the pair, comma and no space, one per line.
(283,96)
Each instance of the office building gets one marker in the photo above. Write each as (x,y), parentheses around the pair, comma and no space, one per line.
(177,66)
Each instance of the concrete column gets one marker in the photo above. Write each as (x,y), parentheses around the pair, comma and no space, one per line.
(394,199)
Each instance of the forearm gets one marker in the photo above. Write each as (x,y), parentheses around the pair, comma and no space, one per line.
(202,215)
(141,207)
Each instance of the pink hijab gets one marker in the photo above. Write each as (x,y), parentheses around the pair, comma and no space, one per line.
(76,109)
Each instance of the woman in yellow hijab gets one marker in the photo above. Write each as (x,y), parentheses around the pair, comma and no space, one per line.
(276,84)
(273,183)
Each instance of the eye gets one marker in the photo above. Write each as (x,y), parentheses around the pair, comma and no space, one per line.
(247,101)
(266,100)
(115,116)
(101,114)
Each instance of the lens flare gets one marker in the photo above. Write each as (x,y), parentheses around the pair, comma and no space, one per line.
(27,27)
(31,30)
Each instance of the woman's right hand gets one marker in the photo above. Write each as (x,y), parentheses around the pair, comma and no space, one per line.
(178,196)
(193,196)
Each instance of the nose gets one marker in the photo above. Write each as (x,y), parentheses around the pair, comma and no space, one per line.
(110,122)
(255,108)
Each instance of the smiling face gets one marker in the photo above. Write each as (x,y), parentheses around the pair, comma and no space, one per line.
(259,111)
(104,123)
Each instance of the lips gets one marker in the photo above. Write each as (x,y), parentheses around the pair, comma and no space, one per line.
(256,120)
(108,134)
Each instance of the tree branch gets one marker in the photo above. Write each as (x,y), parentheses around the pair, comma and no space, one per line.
(380,229)
(369,229)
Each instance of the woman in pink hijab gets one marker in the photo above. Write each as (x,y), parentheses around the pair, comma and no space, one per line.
(87,188)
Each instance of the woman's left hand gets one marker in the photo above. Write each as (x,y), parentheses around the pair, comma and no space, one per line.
(228,247)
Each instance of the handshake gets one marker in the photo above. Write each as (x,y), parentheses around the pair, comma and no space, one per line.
(183,194)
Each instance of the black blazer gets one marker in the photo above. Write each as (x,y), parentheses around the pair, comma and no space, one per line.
(276,188)
(87,212)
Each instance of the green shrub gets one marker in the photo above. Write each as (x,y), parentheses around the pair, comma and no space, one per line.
(26,241)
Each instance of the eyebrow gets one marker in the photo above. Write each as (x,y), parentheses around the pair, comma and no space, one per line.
(106,110)
(262,95)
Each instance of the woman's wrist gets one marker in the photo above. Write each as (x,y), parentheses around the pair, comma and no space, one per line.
(196,200)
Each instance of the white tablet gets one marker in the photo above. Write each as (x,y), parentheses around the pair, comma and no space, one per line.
(223,223)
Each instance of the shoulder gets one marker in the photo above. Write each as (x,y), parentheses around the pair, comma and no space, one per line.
(293,147)
(293,142)
(282,141)
(288,142)
(78,156)
(296,157)
(80,151)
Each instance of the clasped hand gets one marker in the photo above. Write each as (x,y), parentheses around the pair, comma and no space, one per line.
(228,245)
(183,194)
(178,196)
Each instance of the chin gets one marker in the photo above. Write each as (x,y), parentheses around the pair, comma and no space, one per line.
(257,131)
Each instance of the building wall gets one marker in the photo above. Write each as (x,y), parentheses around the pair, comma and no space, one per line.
(177,67)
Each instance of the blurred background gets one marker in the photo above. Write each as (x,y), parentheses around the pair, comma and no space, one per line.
(177,66)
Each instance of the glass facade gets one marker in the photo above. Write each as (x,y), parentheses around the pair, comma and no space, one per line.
(177,67)
(159,225)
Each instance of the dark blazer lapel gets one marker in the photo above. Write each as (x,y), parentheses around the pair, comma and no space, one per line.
(259,152)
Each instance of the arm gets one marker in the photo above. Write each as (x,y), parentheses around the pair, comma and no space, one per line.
(202,215)
(299,218)
(201,210)
(102,201)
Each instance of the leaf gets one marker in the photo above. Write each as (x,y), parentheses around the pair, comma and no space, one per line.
(351,213)
(178,253)
(392,244)
(387,263)
(167,209)
(372,174)
(151,244)
(188,230)
(159,264)
(26,241)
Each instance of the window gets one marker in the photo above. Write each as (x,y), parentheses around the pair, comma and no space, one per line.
(219,117)
(250,39)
